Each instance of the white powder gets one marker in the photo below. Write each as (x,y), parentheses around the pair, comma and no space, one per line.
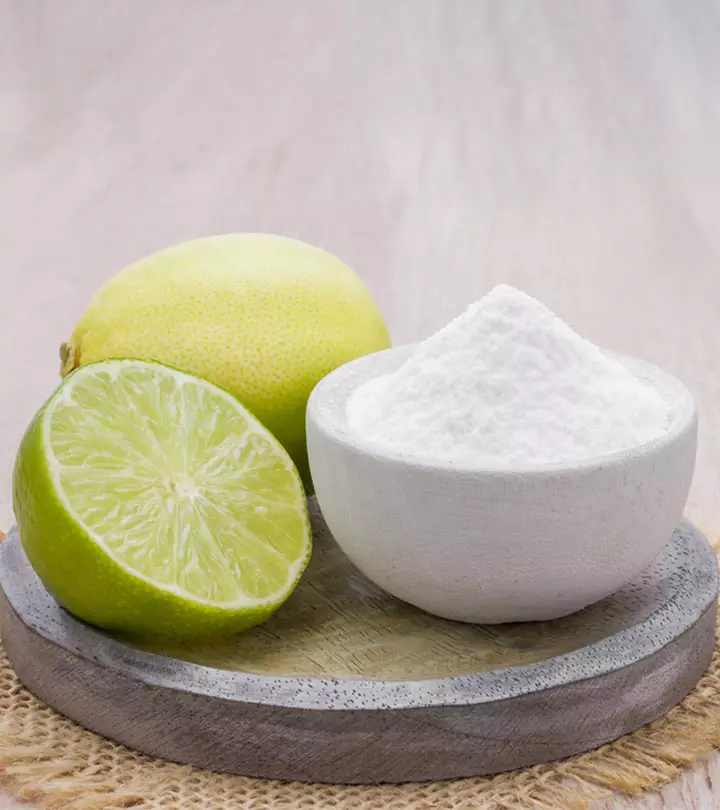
(508,384)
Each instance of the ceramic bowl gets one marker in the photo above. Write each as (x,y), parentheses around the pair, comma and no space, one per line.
(497,545)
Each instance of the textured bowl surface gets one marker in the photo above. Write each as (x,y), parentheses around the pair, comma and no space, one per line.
(490,546)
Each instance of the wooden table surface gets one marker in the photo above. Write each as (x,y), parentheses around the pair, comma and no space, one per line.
(437,146)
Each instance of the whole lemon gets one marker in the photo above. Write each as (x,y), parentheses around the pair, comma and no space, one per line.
(263,316)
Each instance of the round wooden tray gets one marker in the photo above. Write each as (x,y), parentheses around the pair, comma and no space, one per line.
(347,684)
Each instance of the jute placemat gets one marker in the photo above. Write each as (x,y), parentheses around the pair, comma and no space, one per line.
(48,759)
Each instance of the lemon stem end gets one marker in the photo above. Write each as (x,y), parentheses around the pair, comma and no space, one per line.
(69,359)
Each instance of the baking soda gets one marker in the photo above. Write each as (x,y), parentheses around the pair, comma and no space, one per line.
(508,384)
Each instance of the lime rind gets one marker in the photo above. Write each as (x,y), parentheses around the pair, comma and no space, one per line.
(155,474)
(179,488)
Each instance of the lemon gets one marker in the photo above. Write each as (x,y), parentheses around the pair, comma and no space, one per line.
(263,316)
(152,502)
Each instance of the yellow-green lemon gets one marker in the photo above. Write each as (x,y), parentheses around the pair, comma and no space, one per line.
(262,316)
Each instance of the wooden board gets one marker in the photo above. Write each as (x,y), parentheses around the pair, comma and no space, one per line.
(347,684)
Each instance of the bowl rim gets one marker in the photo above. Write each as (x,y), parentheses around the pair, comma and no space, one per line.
(326,411)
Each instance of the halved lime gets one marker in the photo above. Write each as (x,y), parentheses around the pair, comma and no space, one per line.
(150,501)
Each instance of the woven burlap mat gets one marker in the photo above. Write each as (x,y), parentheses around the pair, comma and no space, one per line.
(48,759)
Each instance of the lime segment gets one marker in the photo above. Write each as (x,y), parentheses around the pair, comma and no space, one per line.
(178,486)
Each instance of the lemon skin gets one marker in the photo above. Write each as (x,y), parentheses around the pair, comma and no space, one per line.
(263,316)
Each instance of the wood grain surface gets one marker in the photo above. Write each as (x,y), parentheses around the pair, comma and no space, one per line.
(437,146)
(338,624)
(359,718)
(263,741)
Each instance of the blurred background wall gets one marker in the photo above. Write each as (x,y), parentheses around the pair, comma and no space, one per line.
(437,146)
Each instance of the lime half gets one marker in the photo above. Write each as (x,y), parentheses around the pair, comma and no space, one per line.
(150,501)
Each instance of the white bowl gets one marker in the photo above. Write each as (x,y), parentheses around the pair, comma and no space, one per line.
(490,546)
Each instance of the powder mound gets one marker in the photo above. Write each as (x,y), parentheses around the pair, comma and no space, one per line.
(508,384)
